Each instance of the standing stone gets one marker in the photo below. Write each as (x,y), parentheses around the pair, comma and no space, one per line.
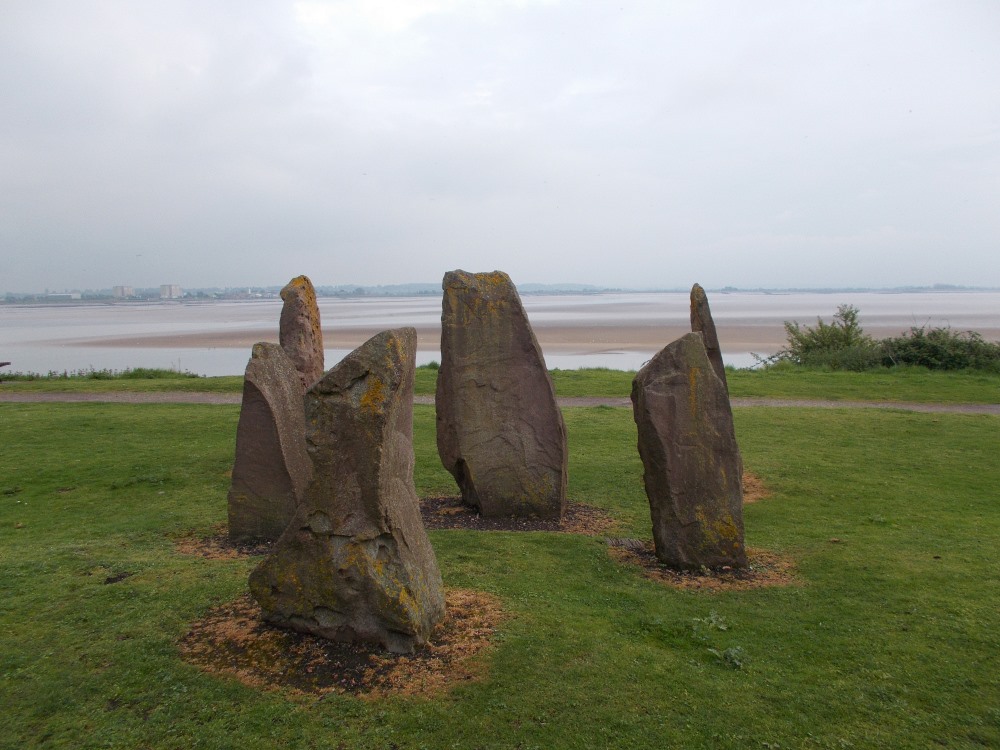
(355,564)
(499,430)
(272,468)
(701,321)
(693,470)
(299,331)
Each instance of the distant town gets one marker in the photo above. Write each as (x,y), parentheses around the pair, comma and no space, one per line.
(174,292)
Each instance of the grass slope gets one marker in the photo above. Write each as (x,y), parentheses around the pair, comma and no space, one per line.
(900,385)
(891,640)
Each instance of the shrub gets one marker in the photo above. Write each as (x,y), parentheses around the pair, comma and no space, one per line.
(843,345)
(941,349)
(840,345)
(856,358)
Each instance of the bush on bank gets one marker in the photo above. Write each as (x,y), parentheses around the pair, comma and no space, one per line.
(843,345)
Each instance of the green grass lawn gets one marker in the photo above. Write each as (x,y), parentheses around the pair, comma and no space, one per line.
(900,385)
(891,639)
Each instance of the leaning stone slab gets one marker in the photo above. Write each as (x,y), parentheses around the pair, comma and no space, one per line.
(299,331)
(272,469)
(355,564)
(701,321)
(499,430)
(692,466)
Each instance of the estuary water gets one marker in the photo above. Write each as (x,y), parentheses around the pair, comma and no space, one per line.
(620,330)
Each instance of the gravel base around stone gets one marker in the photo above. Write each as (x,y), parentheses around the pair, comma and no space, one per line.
(452,513)
(765,569)
(233,641)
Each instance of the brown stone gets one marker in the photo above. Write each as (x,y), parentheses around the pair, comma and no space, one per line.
(701,321)
(692,465)
(355,563)
(499,430)
(299,331)
(272,468)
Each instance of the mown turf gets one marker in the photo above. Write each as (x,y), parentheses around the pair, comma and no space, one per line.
(901,384)
(890,640)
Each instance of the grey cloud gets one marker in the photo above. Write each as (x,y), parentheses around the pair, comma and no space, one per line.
(776,143)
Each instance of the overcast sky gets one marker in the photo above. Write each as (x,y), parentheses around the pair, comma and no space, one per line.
(636,144)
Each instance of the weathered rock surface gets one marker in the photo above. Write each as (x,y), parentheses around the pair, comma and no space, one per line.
(299,331)
(272,469)
(355,563)
(692,466)
(499,430)
(701,321)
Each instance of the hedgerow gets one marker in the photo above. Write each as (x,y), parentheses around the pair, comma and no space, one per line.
(843,345)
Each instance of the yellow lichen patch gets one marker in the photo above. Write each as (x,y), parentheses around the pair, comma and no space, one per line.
(693,373)
(301,282)
(493,278)
(720,533)
(395,353)
(358,557)
(374,396)
(482,296)
(301,287)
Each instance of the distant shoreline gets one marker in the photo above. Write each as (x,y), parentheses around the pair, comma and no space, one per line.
(271,293)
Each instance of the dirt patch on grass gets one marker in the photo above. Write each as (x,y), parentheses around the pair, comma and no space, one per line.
(765,569)
(216,546)
(233,640)
(452,513)
(754,488)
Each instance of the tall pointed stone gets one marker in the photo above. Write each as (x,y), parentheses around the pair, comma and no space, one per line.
(701,321)
(499,430)
(692,467)
(299,331)
(272,469)
(355,564)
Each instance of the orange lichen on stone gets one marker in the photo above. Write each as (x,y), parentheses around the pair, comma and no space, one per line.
(355,564)
(500,432)
(495,278)
(720,532)
(300,332)
(693,373)
(374,396)
(691,460)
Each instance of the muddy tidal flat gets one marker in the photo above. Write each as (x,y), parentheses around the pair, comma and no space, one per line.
(617,330)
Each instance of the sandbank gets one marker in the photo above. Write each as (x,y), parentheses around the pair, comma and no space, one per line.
(764,338)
